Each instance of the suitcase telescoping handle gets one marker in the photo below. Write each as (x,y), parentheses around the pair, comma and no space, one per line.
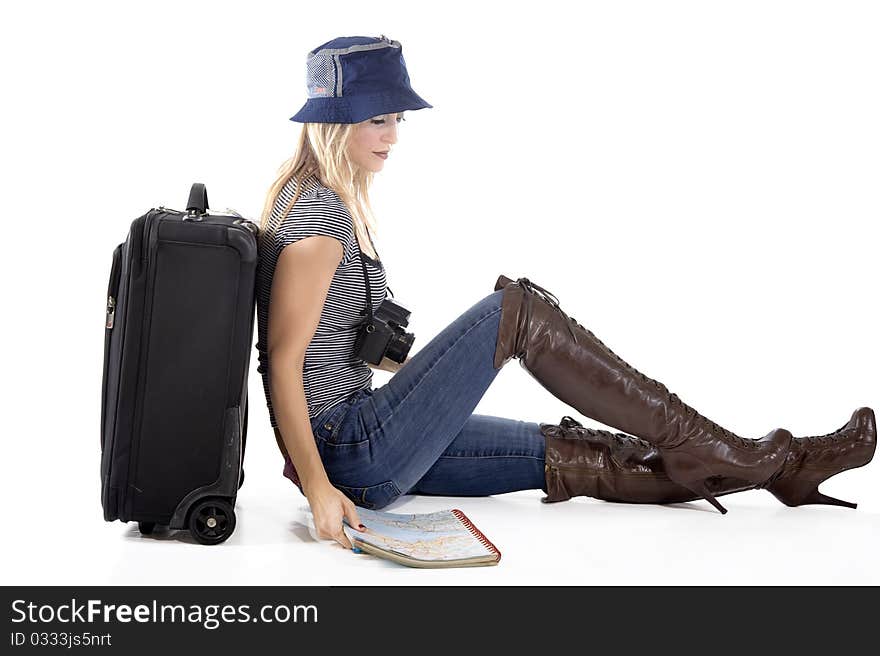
(197,205)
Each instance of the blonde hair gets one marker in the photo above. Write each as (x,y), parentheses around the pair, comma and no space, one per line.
(322,151)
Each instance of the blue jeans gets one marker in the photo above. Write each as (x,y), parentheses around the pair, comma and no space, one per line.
(417,434)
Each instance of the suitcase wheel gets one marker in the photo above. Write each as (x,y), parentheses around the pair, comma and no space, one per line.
(211,521)
(146,527)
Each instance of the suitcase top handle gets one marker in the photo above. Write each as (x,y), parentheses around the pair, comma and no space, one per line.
(198,200)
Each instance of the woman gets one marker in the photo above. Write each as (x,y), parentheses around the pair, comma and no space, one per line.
(347,444)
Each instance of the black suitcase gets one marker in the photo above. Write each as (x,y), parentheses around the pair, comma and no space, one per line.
(178,334)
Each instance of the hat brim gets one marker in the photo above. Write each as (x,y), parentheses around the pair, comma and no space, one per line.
(359,108)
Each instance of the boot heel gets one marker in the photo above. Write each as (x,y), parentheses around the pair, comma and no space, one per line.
(703,491)
(690,472)
(817,498)
(801,492)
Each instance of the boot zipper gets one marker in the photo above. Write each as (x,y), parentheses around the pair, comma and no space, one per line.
(581,469)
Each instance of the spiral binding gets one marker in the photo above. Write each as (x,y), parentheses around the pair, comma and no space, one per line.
(477,533)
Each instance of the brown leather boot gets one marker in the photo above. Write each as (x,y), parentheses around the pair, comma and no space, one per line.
(578,369)
(617,467)
(610,466)
(813,460)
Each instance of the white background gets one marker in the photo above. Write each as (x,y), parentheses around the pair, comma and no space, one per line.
(696,181)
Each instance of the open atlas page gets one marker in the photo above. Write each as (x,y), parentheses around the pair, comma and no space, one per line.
(446,538)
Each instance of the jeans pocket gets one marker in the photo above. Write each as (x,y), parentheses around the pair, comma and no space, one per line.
(328,425)
(371,496)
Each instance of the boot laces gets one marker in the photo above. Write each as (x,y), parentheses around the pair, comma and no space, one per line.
(630,440)
(834,437)
(549,298)
(690,412)
(622,439)
(816,442)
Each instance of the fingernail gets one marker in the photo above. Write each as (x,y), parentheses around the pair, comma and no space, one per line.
(362,527)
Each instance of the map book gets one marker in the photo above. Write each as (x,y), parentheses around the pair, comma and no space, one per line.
(445,538)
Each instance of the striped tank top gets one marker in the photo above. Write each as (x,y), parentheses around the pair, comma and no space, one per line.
(331,371)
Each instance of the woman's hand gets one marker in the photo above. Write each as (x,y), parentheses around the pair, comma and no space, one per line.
(390,365)
(329,506)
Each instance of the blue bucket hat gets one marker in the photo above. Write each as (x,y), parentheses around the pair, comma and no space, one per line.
(353,78)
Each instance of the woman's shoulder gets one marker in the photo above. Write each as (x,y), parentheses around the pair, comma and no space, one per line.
(319,202)
(317,211)
(311,190)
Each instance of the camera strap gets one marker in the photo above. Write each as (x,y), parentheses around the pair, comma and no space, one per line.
(369,309)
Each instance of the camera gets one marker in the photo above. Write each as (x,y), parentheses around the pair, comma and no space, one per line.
(385,335)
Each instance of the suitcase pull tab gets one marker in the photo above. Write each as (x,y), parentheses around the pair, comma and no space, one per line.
(111,312)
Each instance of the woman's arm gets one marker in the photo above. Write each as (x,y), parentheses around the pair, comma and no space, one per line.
(299,289)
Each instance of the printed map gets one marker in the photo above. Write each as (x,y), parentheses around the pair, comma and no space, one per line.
(431,536)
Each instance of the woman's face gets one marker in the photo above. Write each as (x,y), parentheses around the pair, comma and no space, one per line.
(375,135)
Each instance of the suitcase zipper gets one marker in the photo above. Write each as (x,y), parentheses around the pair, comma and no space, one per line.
(137,417)
(239,221)
(226,212)
(112,288)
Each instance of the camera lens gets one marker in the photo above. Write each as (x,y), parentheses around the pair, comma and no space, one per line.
(399,346)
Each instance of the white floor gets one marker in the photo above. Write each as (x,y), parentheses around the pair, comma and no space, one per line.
(61,538)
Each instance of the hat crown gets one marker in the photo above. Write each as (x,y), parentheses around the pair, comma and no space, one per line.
(344,42)
(351,78)
(355,64)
